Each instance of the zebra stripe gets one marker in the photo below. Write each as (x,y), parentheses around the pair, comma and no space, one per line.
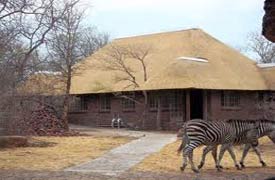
(250,138)
(212,133)
(265,128)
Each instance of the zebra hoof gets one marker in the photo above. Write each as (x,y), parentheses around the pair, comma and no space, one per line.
(263,164)
(219,169)
(238,167)
(242,164)
(196,170)
(182,168)
(200,166)
(219,166)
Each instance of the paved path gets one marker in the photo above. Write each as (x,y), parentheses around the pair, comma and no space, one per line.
(121,159)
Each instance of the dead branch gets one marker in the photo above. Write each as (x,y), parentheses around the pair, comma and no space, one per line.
(261,47)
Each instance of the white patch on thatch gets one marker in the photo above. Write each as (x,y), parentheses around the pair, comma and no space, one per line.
(266,65)
(197,59)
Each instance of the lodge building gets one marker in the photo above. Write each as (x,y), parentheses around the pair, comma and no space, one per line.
(189,74)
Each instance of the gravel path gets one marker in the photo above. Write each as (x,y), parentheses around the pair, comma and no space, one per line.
(121,159)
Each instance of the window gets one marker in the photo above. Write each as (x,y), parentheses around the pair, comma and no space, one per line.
(79,104)
(153,102)
(128,103)
(230,99)
(169,101)
(83,103)
(105,102)
(165,102)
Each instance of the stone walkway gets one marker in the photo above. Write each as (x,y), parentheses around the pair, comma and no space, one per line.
(121,159)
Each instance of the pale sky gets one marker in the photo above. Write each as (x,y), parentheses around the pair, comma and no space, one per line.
(227,20)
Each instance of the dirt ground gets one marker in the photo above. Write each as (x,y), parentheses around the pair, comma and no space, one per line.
(163,165)
(61,175)
(56,153)
(168,161)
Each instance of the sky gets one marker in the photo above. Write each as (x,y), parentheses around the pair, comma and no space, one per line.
(228,20)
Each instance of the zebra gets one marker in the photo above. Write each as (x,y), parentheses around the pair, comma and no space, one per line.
(250,139)
(199,132)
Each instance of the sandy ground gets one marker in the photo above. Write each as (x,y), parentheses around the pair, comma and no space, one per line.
(168,161)
(56,153)
(162,165)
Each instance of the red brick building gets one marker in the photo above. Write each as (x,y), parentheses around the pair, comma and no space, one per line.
(186,74)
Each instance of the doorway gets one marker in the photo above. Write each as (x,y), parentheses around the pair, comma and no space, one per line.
(196,104)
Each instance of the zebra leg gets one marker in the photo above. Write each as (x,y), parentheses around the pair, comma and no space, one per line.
(186,149)
(193,167)
(184,161)
(206,150)
(188,152)
(214,155)
(222,150)
(245,151)
(256,150)
(225,147)
(232,154)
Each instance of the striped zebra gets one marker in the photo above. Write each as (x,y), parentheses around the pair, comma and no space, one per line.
(250,139)
(199,132)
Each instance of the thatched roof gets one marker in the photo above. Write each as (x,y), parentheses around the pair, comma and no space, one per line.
(46,84)
(269,75)
(169,65)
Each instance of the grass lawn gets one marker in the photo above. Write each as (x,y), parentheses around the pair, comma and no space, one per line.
(167,159)
(56,153)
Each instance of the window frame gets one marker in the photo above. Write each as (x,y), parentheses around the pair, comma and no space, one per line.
(84,103)
(104,103)
(128,105)
(153,102)
(230,100)
(79,104)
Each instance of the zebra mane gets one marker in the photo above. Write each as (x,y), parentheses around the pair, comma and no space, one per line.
(251,121)
(241,120)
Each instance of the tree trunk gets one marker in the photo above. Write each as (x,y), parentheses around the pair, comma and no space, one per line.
(66,102)
(64,117)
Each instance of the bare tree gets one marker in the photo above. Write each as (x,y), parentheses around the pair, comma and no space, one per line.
(118,58)
(265,53)
(70,43)
(24,26)
(261,47)
(90,40)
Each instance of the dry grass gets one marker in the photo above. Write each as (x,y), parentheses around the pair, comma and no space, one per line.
(58,152)
(167,159)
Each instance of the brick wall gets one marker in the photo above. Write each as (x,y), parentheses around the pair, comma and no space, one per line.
(248,109)
(94,117)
